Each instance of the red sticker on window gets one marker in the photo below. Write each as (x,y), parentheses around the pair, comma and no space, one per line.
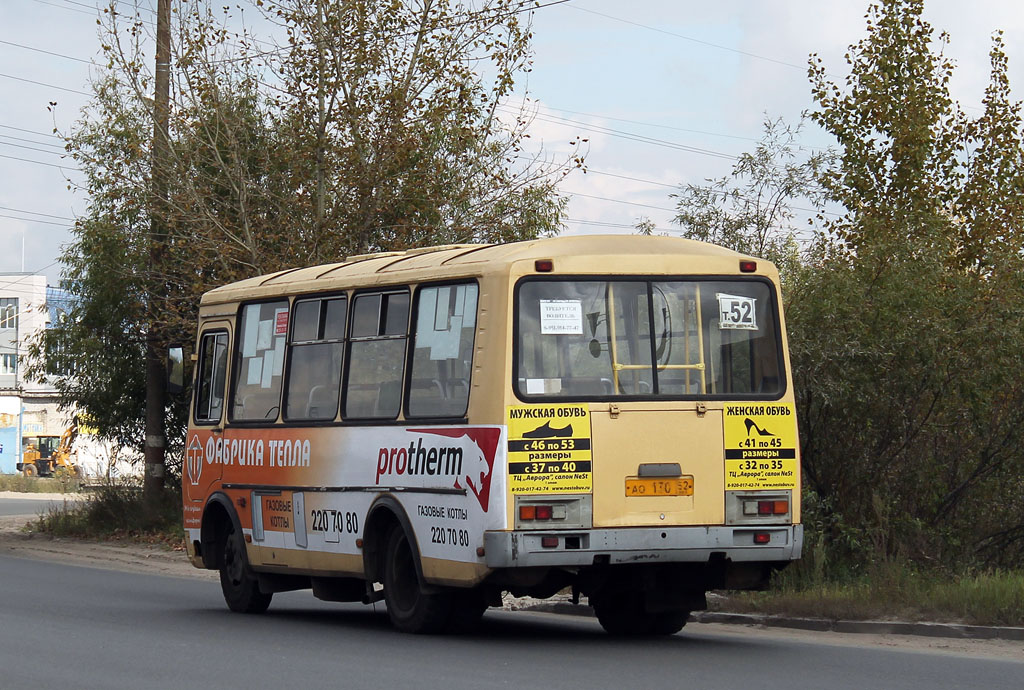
(281,322)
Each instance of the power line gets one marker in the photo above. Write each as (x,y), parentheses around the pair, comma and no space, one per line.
(35,220)
(32,148)
(630,136)
(802,68)
(46,52)
(620,201)
(35,213)
(50,86)
(65,7)
(51,165)
(31,141)
(29,131)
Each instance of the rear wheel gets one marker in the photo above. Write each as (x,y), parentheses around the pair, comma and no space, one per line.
(237,581)
(623,614)
(668,622)
(410,608)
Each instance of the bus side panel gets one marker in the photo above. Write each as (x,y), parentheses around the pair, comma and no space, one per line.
(308,491)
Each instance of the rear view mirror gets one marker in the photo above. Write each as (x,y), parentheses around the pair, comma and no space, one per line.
(175,369)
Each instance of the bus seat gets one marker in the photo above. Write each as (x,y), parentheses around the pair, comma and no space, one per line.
(322,399)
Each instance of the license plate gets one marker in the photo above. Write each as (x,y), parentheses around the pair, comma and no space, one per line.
(659,486)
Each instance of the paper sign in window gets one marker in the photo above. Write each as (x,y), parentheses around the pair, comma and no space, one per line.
(737,312)
(561,317)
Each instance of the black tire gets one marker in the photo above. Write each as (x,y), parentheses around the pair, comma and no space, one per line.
(467,608)
(410,608)
(30,469)
(623,614)
(668,622)
(237,581)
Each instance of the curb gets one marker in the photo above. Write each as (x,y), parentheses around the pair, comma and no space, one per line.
(949,630)
(953,630)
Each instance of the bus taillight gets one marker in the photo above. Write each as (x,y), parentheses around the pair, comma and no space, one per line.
(772,507)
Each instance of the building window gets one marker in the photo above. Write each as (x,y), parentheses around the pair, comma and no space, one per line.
(8,312)
(9,364)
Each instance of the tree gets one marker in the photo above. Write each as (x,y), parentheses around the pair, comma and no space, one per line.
(384,130)
(905,334)
(751,210)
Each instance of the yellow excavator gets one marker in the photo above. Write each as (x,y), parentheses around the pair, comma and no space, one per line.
(43,455)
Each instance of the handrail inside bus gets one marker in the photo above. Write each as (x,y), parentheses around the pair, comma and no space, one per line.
(699,365)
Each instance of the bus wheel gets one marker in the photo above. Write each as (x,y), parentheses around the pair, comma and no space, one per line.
(623,614)
(467,608)
(668,622)
(241,590)
(410,608)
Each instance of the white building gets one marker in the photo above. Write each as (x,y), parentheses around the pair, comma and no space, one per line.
(29,409)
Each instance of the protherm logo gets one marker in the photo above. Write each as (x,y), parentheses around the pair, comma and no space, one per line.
(466,456)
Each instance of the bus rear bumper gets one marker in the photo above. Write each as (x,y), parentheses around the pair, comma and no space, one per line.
(520,549)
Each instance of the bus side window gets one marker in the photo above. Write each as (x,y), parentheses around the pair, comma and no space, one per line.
(259,361)
(442,358)
(376,361)
(213,364)
(314,358)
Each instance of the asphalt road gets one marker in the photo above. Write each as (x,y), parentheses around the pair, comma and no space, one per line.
(64,626)
(27,506)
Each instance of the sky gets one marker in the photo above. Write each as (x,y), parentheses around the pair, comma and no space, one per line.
(667,93)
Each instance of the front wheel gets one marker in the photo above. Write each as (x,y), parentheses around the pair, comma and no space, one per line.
(30,470)
(410,608)
(237,581)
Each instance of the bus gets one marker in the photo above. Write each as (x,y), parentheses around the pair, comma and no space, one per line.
(444,427)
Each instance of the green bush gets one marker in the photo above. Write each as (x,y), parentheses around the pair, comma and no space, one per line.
(117,509)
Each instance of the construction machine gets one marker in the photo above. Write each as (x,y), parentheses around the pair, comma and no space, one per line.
(43,455)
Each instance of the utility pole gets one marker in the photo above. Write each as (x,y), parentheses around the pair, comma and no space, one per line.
(153,482)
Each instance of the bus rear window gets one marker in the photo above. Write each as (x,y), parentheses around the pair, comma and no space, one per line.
(587,339)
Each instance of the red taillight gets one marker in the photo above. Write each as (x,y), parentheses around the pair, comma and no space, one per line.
(762,538)
(543,512)
(772,507)
(748,266)
(543,265)
(549,542)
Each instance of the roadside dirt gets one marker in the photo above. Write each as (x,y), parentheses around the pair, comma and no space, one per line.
(17,539)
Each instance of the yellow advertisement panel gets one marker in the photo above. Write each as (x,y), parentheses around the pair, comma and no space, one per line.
(549,449)
(760,446)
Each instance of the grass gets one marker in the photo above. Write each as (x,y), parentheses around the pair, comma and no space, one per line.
(39,485)
(995,598)
(117,511)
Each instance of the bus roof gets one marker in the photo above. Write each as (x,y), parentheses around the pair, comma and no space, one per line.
(447,260)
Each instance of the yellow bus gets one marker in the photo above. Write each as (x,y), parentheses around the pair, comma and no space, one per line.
(443,427)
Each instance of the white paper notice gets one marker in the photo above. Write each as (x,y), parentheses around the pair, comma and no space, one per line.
(278,356)
(561,317)
(737,312)
(268,368)
(254,371)
(252,323)
(265,333)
